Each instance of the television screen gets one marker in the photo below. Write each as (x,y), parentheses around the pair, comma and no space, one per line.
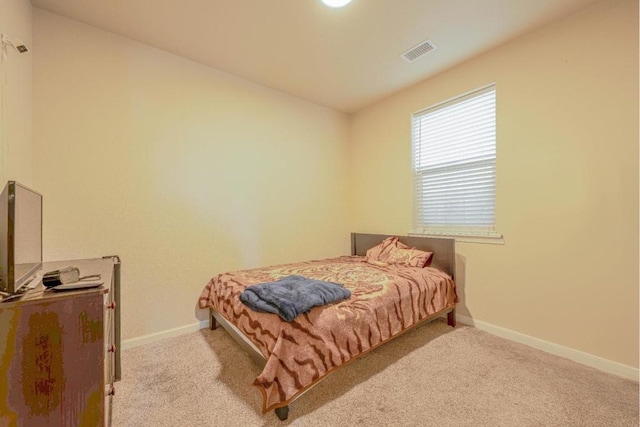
(21,245)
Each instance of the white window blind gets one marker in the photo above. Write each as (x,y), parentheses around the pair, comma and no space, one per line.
(454,165)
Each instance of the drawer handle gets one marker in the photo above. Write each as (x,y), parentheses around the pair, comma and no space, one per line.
(112,348)
(111,305)
(112,392)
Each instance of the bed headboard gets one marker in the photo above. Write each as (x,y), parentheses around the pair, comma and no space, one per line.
(444,249)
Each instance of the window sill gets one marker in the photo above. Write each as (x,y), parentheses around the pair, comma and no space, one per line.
(491,238)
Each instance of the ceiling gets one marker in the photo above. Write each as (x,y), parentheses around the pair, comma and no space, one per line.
(343,58)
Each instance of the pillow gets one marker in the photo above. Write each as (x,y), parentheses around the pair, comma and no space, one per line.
(381,251)
(411,257)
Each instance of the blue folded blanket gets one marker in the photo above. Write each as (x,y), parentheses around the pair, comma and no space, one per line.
(292,295)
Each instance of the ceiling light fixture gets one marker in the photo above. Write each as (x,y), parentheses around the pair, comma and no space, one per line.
(336,3)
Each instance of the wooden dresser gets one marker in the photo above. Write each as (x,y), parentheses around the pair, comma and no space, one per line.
(59,351)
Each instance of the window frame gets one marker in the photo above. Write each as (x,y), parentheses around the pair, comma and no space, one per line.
(473,234)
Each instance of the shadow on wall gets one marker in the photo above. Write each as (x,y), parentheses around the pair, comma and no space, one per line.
(227,253)
(460,279)
(201,313)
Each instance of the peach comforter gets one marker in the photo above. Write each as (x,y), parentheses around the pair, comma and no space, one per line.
(385,301)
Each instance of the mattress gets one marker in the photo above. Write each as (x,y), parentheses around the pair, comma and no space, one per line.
(385,301)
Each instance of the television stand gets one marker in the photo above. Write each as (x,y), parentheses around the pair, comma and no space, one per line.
(60,350)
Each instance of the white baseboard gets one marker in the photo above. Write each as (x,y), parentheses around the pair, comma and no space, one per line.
(158,336)
(559,350)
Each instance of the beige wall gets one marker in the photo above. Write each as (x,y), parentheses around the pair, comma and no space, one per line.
(182,170)
(567,181)
(16,156)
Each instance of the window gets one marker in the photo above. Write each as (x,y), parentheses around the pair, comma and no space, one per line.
(454,166)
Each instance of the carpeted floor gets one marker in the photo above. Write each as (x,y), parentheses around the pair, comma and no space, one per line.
(432,376)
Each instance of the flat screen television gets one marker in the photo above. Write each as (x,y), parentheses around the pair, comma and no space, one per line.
(20,236)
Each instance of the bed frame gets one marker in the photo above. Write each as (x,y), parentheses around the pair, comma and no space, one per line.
(444,258)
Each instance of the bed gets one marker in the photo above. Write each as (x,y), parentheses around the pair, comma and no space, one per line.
(386,301)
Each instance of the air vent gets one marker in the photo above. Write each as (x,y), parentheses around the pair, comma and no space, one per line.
(419,51)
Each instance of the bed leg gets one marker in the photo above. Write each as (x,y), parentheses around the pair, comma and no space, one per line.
(282,413)
(451,318)
(213,323)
